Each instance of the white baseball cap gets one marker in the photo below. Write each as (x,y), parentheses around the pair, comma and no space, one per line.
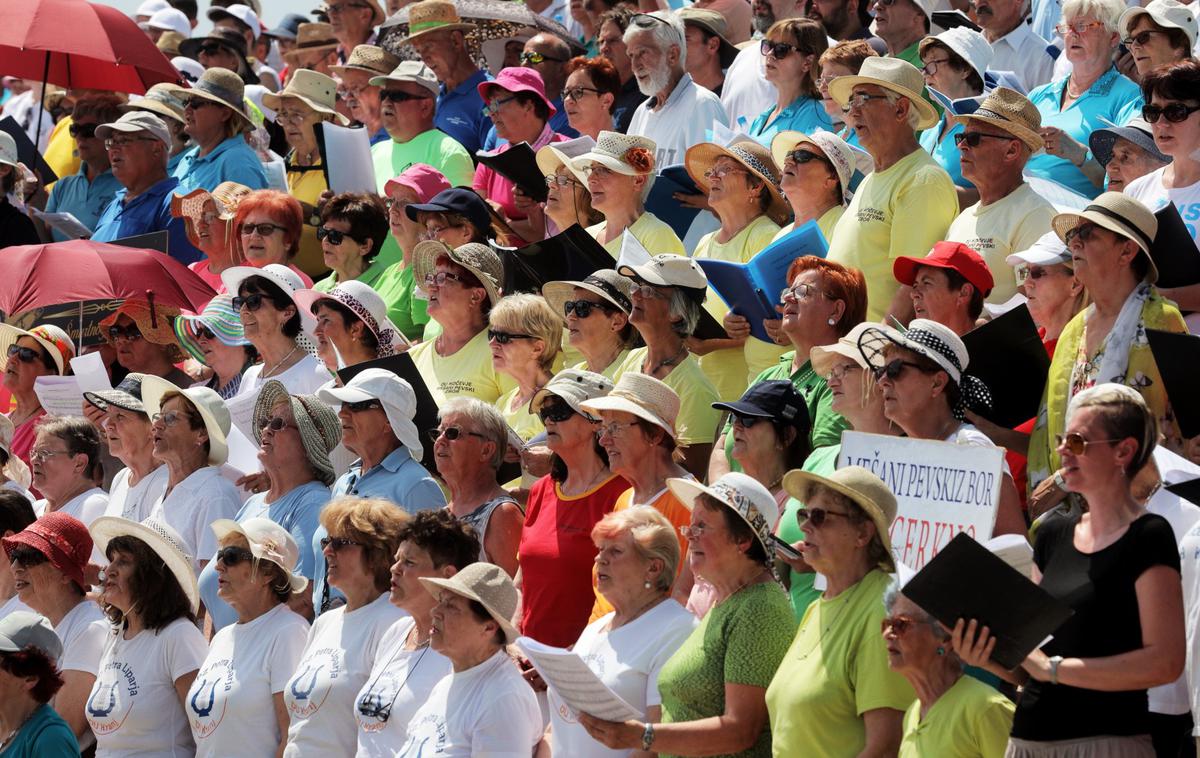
(1047,251)
(243,13)
(1169,14)
(150,7)
(171,20)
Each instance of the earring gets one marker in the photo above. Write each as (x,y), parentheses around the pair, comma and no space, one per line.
(646,584)
(941,650)
(831,321)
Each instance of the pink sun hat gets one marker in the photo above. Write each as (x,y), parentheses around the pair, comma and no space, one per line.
(422,179)
(518,79)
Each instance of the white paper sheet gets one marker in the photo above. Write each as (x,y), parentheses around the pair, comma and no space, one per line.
(347,158)
(63,395)
(575,683)
(90,372)
(65,223)
(241,413)
(633,252)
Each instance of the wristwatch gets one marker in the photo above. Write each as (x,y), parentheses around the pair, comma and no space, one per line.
(315,219)
(1054,661)
(648,736)
(1059,481)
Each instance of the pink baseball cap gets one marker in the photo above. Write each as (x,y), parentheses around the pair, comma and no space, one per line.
(518,79)
(421,178)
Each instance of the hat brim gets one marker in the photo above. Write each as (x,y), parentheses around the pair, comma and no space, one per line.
(687,490)
(9,335)
(123,400)
(1032,139)
(841,87)
(822,357)
(224,527)
(648,275)
(187,92)
(1037,258)
(156,389)
(876,339)
(155,107)
(292,56)
(624,405)
(798,483)
(425,257)
(557,293)
(450,27)
(273,393)
(106,528)
(1064,223)
(700,158)
(742,408)
(549,158)
(273,100)
(430,583)
(39,543)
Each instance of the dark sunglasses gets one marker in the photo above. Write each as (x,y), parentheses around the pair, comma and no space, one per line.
(204,333)
(777,50)
(233,555)
(533,58)
(972,139)
(747,422)
(197,102)
(276,425)
(503,338)
(1075,444)
(253,301)
(451,433)
(800,157)
(83,131)
(893,369)
(333,235)
(23,354)
(1141,38)
(262,230)
(898,624)
(1174,113)
(396,96)
(337,543)
(212,48)
(130,333)
(27,556)
(556,412)
(818,516)
(584,308)
(362,405)
(1083,233)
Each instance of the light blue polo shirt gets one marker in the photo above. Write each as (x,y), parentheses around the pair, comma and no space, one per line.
(460,113)
(231,161)
(148,212)
(804,114)
(84,200)
(1112,99)
(945,152)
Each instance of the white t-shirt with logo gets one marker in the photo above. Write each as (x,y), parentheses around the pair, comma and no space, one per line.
(1149,190)
(486,710)
(627,660)
(399,684)
(231,704)
(135,502)
(336,662)
(83,631)
(133,708)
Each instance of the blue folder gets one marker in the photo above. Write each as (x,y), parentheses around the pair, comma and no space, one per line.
(661,203)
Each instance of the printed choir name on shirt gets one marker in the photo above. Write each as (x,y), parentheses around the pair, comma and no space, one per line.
(313,681)
(112,697)
(867,215)
(430,727)
(204,712)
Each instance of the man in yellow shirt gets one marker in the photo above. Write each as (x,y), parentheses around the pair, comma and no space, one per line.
(907,204)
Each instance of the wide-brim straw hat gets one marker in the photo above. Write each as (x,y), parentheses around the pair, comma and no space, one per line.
(218,317)
(268,541)
(225,197)
(748,498)
(846,159)
(433,16)
(155,322)
(365,303)
(863,488)
(169,43)
(314,89)
(159,100)
(487,585)
(893,74)
(320,429)
(643,396)
(166,543)
(1120,214)
(481,260)
(311,38)
(576,387)
(605,283)
(370,59)
(55,341)
(212,409)
(221,86)
(749,154)
(613,151)
(1011,111)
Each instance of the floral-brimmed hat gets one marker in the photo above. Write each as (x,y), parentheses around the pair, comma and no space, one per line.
(747,497)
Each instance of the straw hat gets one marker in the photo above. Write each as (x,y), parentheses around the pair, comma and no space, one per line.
(847,161)
(396,395)
(750,500)
(160,100)
(314,89)
(320,430)
(967,44)
(220,86)
(218,317)
(207,403)
(575,386)
(225,196)
(752,156)
(311,38)
(1120,214)
(823,356)
(481,260)
(56,342)
(1014,113)
(866,490)
(268,542)
(365,303)
(626,154)
(154,322)
(1167,14)
(487,585)
(556,154)
(127,395)
(63,539)
(433,16)
(16,469)
(642,395)
(606,283)
(166,543)
(370,59)
(668,270)
(893,74)
(169,42)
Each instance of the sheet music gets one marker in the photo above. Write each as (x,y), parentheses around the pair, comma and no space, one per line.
(575,683)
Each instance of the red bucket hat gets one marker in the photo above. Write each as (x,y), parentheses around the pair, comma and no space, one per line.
(62,538)
(952,255)
(518,79)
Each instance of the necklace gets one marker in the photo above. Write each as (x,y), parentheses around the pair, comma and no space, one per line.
(673,360)
(810,630)
(741,586)
(268,373)
(654,601)
(588,487)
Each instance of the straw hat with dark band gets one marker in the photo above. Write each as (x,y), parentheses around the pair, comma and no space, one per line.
(864,489)
(320,430)
(754,157)
(433,16)
(220,86)
(1120,214)
(1014,113)
(479,259)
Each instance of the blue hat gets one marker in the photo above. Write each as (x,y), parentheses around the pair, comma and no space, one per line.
(460,200)
(776,399)
(289,26)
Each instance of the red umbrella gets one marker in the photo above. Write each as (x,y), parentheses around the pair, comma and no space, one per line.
(78,44)
(35,276)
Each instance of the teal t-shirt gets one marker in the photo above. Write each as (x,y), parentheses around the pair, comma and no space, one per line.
(44,735)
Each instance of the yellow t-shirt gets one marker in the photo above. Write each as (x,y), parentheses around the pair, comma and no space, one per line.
(969,720)
(467,373)
(696,423)
(730,369)
(613,370)
(902,210)
(1009,225)
(655,235)
(835,671)
(825,223)
(307,186)
(61,153)
(527,425)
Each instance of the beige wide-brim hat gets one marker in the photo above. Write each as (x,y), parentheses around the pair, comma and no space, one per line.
(207,403)
(370,59)
(1120,214)
(643,396)
(481,260)
(433,16)
(1012,112)
(748,498)
(320,429)
(314,89)
(311,38)
(605,283)
(166,543)
(575,386)
(892,74)
(220,86)
(752,156)
(823,356)
(556,154)
(846,160)
(159,100)
(268,541)
(866,490)
(486,584)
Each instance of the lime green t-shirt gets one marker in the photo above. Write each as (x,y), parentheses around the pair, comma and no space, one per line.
(467,372)
(527,425)
(902,210)
(835,671)
(729,369)
(654,234)
(969,720)
(821,461)
(433,148)
(613,370)
(696,423)
(740,641)
(398,289)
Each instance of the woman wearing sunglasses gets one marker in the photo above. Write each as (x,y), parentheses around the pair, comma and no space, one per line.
(268,224)
(42,351)
(208,222)
(469,445)
(525,337)
(141,335)
(833,694)
(216,339)
(235,705)
(295,434)
(1084,692)
(352,325)
(1159,34)
(343,644)
(817,171)
(791,51)
(352,232)
(596,311)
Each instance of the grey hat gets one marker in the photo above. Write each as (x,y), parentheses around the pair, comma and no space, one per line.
(127,395)
(409,71)
(1137,131)
(320,430)
(20,629)
(137,121)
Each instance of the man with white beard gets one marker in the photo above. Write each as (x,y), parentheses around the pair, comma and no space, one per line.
(678,110)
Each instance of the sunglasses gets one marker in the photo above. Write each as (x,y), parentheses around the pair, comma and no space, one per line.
(1141,38)
(196,102)
(362,405)
(898,624)
(130,333)
(333,235)
(211,49)
(204,333)
(1083,233)
(777,50)
(1025,273)
(800,157)
(262,230)
(528,58)
(818,516)
(893,369)
(451,433)
(233,555)
(503,338)
(972,139)
(584,308)
(28,557)
(439,279)
(556,412)
(396,96)
(1175,113)
(1075,444)
(23,354)
(253,301)
(83,131)
(746,422)
(337,543)
(276,425)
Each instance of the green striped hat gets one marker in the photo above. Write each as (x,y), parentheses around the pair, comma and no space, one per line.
(218,317)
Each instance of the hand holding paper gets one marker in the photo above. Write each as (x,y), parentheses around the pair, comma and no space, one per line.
(575,683)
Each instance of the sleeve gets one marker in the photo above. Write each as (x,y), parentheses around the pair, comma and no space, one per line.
(875,685)
(86,649)
(284,656)
(697,419)
(303,526)
(248,172)
(993,724)
(480,181)
(757,637)
(1045,539)
(1130,109)
(94,507)
(1156,546)
(1032,226)
(185,648)
(52,201)
(53,740)
(922,211)
(715,112)
(457,165)
(425,495)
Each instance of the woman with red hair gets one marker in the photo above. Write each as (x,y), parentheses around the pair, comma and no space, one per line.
(268,225)
(590,95)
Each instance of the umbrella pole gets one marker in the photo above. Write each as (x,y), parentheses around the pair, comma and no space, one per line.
(79,347)
(37,136)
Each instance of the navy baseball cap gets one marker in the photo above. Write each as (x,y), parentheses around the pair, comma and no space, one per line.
(289,27)
(460,200)
(776,399)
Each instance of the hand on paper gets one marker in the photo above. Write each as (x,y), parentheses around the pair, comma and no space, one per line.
(616,735)
(531,675)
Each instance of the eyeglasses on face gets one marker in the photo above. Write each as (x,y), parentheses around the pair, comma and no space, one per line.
(576,93)
(396,96)
(972,139)
(560,180)
(120,143)
(440,278)
(894,368)
(597,170)
(23,354)
(337,10)
(251,302)
(644,289)
(291,117)
(898,624)
(1075,444)
(859,100)
(930,68)
(799,293)
(27,557)
(838,373)
(816,517)
(277,424)
(197,102)
(492,108)
(334,236)
(262,230)
(361,406)
(452,433)
(130,332)
(170,418)
(1085,232)
(533,58)
(1141,38)
(744,421)
(1175,113)
(800,156)
(82,131)
(777,50)
(557,412)
(232,555)
(204,333)
(585,308)
(1079,28)
(41,453)
(503,338)
(337,543)
(1025,273)
(614,428)
(213,48)
(717,172)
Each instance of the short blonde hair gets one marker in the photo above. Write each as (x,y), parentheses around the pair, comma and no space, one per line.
(653,537)
(1107,12)
(532,315)
(375,524)
(1123,414)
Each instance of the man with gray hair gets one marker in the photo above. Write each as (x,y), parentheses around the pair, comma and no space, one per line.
(138,146)
(678,110)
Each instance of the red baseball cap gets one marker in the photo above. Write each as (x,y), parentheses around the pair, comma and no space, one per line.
(518,79)
(62,538)
(952,255)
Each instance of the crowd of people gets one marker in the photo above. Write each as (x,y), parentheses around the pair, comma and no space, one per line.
(374,445)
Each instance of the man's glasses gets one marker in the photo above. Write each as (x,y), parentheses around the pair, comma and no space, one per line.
(124,142)
(396,96)
(503,338)
(452,433)
(584,308)
(362,406)
(972,139)
(860,99)
(1175,113)
(130,333)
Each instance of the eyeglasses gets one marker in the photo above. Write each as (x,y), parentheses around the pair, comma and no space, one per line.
(1025,273)
(439,279)
(1075,444)
(1175,113)
(584,308)
(396,96)
(394,204)
(41,454)
(197,102)
(720,171)
(824,81)
(262,230)
(233,555)
(800,157)
(777,50)
(82,131)
(503,338)
(170,418)
(1084,233)
(492,108)
(930,68)
(645,289)
(556,412)
(1141,38)
(598,170)
(859,100)
(1080,28)
(290,117)
(562,180)
(838,373)
(337,543)
(23,354)
(800,293)
(27,557)
(692,533)
(452,433)
(124,142)
(898,624)
(534,58)
(333,235)
(614,428)
(362,406)
(744,421)
(276,425)
(893,369)
(337,10)
(972,139)
(576,93)
(131,333)
(251,302)
(816,517)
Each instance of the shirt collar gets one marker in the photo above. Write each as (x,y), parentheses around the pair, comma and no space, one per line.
(156,191)
(1016,36)
(684,83)
(391,462)
(228,144)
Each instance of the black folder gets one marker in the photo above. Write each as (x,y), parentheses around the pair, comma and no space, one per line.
(1007,354)
(567,256)
(1174,251)
(1178,358)
(518,164)
(27,152)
